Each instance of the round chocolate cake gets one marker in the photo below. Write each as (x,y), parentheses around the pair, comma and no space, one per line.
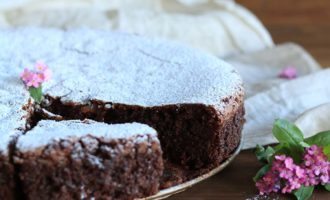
(122,117)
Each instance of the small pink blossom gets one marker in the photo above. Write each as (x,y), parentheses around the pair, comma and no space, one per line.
(40,66)
(269,183)
(300,172)
(45,75)
(316,165)
(43,71)
(36,78)
(26,75)
(35,81)
(283,170)
(289,163)
(288,73)
(280,157)
(286,176)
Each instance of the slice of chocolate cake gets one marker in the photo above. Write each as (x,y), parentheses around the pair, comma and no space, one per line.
(81,160)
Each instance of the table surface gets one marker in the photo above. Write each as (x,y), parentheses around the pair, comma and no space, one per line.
(305,22)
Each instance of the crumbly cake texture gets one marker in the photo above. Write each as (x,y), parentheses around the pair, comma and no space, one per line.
(89,159)
(74,128)
(193,100)
(192,135)
(7,180)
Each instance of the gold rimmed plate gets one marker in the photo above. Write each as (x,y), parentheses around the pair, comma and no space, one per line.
(162,194)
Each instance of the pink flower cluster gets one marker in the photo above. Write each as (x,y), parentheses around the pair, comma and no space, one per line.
(316,166)
(35,78)
(286,176)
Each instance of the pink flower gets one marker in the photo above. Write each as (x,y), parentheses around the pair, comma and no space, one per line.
(43,71)
(289,163)
(45,75)
(35,81)
(280,157)
(300,172)
(26,75)
(288,73)
(269,183)
(316,165)
(295,181)
(283,171)
(36,78)
(286,176)
(40,66)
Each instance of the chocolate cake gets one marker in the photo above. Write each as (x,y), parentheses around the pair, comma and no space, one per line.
(193,100)
(82,160)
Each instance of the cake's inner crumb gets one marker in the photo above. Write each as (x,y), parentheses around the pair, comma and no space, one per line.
(191,145)
(88,165)
(187,148)
(17,183)
(185,138)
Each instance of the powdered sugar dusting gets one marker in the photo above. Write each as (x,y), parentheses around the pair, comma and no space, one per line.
(47,131)
(122,68)
(12,98)
(113,67)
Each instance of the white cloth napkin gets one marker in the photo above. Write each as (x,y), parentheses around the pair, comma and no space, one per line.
(269,97)
(260,69)
(221,27)
(315,120)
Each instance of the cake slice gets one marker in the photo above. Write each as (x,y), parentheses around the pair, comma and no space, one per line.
(85,159)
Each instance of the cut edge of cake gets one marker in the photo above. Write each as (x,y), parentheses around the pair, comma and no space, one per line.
(89,159)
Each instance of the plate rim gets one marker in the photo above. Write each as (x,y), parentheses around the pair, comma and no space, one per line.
(162,194)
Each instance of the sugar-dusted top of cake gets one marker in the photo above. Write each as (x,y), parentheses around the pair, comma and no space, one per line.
(47,131)
(12,115)
(120,68)
(11,122)
(13,95)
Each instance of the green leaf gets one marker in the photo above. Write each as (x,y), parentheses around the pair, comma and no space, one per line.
(286,132)
(36,93)
(304,193)
(264,155)
(326,151)
(327,187)
(285,149)
(261,172)
(304,144)
(282,149)
(321,139)
(290,138)
(278,147)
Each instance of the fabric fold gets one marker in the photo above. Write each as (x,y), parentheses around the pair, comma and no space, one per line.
(269,97)
(287,100)
(220,27)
